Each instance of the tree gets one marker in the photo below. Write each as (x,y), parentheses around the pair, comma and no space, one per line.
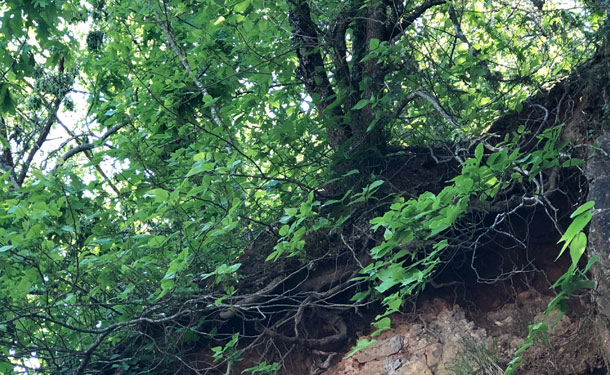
(225,152)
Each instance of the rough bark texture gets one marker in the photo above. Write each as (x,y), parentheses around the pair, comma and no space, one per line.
(598,173)
(362,130)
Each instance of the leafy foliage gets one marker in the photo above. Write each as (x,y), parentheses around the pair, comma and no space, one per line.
(146,145)
(412,250)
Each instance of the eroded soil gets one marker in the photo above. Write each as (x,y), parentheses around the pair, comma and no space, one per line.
(443,339)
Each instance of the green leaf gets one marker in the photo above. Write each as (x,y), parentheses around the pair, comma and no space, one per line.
(361,104)
(361,344)
(242,6)
(352,172)
(372,124)
(464,185)
(331,202)
(441,245)
(389,277)
(513,365)
(360,296)
(284,230)
(4,142)
(392,303)
(578,247)
(6,248)
(572,163)
(518,107)
(590,263)
(160,195)
(374,184)
(200,167)
(382,324)
(373,44)
(584,207)
(156,241)
(577,225)
(7,105)
(478,152)
(6,367)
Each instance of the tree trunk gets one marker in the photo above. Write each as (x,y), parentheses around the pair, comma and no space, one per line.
(598,173)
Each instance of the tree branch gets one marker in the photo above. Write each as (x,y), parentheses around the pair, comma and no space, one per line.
(6,159)
(407,21)
(91,145)
(475,52)
(340,50)
(430,99)
(171,40)
(111,328)
(311,65)
(89,156)
(42,137)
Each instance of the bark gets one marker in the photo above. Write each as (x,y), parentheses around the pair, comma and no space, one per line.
(313,73)
(598,173)
(355,132)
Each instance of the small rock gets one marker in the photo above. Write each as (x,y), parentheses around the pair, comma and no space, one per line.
(434,353)
(390,366)
(416,366)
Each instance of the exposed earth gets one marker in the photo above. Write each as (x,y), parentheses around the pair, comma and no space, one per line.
(442,340)
(461,328)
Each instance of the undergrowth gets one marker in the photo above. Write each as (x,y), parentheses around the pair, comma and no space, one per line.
(477,359)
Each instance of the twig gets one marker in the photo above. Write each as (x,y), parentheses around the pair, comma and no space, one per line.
(417,12)
(432,100)
(91,145)
(171,40)
(111,328)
